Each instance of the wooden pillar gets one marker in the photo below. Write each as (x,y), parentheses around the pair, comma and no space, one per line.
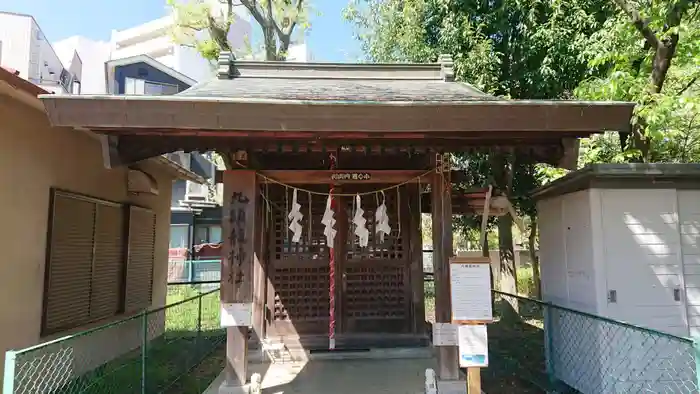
(441,190)
(238,261)
(415,247)
(260,272)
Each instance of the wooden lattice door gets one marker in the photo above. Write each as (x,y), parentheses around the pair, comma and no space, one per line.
(298,299)
(376,286)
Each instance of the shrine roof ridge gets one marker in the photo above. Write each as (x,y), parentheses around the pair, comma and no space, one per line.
(231,68)
(347,82)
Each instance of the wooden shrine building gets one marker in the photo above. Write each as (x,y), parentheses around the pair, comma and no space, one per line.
(301,129)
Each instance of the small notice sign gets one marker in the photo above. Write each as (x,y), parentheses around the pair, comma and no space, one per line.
(444,334)
(236,314)
(473,346)
(351,176)
(470,287)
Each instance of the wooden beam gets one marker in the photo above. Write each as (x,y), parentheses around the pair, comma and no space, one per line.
(441,188)
(339,176)
(110,151)
(238,260)
(323,177)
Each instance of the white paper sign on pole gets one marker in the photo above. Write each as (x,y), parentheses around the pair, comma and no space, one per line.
(473,346)
(470,280)
(444,334)
(236,314)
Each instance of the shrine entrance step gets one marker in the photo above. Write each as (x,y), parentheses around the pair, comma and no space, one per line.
(291,355)
(396,376)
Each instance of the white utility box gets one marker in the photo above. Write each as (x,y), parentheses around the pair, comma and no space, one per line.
(621,241)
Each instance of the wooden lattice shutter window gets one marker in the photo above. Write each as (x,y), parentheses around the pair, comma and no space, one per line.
(139,269)
(108,263)
(67,296)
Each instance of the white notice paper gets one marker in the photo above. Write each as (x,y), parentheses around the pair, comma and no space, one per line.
(444,334)
(473,346)
(236,314)
(471,292)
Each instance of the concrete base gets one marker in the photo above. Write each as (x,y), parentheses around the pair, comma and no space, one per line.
(225,389)
(219,386)
(301,355)
(396,376)
(452,386)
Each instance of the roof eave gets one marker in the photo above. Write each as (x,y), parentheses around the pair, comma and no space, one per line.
(609,175)
(188,113)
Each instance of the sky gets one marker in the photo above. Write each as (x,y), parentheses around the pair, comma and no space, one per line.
(330,37)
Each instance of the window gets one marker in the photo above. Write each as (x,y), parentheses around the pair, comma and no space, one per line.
(207,234)
(179,234)
(141,87)
(159,89)
(87,262)
(139,268)
(134,86)
(215,234)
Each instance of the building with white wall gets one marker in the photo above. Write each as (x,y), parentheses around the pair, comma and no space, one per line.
(621,241)
(155,40)
(93,54)
(24,48)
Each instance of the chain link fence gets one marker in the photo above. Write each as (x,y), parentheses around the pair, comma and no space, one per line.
(557,349)
(187,271)
(146,353)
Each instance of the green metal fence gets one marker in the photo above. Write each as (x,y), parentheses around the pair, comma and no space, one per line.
(146,353)
(543,347)
(187,271)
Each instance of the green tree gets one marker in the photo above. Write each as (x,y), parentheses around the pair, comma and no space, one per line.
(523,50)
(651,53)
(279,20)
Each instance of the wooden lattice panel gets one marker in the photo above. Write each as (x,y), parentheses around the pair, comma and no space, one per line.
(301,294)
(393,247)
(312,245)
(298,271)
(376,292)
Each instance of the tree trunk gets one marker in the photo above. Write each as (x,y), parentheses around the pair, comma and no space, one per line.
(508,274)
(270,43)
(485,252)
(503,175)
(534,258)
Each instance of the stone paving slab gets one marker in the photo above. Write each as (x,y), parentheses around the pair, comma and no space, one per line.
(395,376)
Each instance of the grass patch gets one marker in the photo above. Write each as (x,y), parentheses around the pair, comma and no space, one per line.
(516,349)
(526,282)
(429,294)
(183,338)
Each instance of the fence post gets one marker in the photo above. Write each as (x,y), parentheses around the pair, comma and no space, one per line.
(144,350)
(190,270)
(8,385)
(696,348)
(199,323)
(548,345)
